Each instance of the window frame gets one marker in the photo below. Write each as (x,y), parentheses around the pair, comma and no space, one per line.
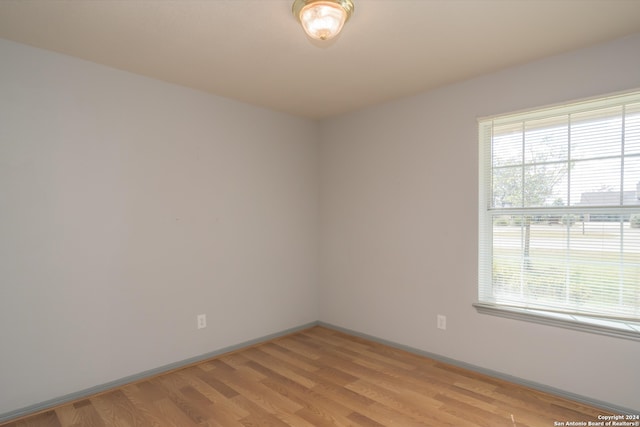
(620,328)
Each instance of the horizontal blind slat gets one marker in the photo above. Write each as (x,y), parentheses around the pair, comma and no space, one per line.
(560,209)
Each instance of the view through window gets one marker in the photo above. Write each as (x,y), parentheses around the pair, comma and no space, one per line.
(560,210)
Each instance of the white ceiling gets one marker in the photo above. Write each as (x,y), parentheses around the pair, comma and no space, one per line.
(256,52)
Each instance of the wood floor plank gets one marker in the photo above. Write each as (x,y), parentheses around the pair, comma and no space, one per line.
(87,416)
(45,419)
(151,392)
(475,415)
(258,357)
(314,378)
(413,405)
(257,415)
(108,412)
(295,347)
(315,406)
(357,403)
(363,420)
(120,410)
(258,393)
(141,403)
(390,417)
(222,401)
(172,385)
(289,357)
(211,379)
(316,419)
(67,415)
(173,415)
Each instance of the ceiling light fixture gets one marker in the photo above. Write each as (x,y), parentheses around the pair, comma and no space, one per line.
(322,19)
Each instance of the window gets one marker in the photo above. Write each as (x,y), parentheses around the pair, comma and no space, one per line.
(560,215)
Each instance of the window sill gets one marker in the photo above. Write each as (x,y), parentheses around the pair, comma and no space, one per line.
(612,328)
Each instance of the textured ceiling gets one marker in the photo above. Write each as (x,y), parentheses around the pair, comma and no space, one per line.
(256,52)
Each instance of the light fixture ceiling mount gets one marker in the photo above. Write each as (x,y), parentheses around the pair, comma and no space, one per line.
(322,19)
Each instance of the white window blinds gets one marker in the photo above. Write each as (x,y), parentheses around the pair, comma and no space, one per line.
(560,209)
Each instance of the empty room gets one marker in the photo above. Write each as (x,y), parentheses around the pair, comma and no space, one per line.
(319,213)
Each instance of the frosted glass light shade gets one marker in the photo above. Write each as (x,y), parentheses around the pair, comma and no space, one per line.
(322,19)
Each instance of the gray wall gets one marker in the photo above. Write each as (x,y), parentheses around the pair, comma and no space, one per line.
(128,206)
(399,226)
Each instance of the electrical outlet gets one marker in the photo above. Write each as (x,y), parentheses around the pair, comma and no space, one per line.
(442,322)
(202,321)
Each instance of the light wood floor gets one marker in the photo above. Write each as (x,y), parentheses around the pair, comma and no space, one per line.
(314,378)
